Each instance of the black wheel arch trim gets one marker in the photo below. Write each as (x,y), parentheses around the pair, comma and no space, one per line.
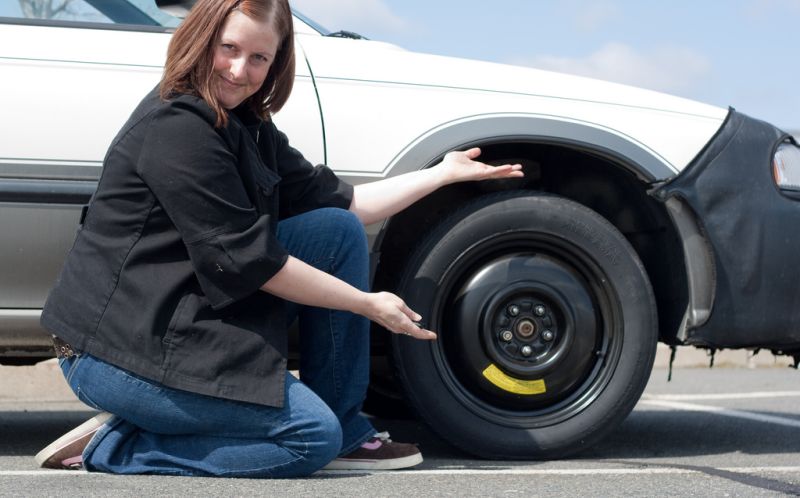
(482,129)
(699,263)
(46,191)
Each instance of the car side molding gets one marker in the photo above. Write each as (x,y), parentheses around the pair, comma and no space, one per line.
(46,191)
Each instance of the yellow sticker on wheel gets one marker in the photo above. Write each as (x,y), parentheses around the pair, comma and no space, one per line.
(512,384)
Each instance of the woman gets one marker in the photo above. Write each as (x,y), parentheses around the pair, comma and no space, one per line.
(207,236)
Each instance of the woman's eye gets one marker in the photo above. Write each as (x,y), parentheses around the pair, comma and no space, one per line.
(228,47)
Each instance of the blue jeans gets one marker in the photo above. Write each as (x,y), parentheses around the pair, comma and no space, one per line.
(159,430)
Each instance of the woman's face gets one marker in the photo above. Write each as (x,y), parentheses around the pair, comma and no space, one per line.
(242,57)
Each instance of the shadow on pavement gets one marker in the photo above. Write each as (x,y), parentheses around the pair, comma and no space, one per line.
(27,432)
(644,434)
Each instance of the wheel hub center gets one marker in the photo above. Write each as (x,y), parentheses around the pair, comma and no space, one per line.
(525,328)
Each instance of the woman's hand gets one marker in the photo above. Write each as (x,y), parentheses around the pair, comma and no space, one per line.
(300,283)
(461,166)
(389,311)
(376,201)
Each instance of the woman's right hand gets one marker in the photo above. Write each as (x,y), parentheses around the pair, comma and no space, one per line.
(304,284)
(392,313)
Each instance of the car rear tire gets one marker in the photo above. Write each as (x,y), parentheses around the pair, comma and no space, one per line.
(546,322)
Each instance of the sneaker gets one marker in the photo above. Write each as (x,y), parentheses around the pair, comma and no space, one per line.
(379,453)
(66,452)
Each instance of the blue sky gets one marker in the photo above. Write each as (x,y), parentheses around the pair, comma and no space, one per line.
(742,53)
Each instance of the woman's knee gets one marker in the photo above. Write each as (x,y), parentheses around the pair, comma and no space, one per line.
(347,224)
(328,232)
(351,256)
(323,442)
(332,430)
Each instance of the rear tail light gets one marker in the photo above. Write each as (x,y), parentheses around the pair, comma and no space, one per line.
(786,166)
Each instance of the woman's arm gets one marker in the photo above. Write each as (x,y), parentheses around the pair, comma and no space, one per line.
(375,201)
(304,284)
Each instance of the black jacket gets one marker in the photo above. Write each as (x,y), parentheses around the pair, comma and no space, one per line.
(163,278)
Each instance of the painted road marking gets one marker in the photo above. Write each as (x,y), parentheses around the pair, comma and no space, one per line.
(579,472)
(54,473)
(727,412)
(539,472)
(671,401)
(692,397)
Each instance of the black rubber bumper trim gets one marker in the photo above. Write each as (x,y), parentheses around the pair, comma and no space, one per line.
(46,191)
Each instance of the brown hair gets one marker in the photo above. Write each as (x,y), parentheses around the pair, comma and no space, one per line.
(190,56)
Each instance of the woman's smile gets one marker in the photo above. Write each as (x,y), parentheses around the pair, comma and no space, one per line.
(230,83)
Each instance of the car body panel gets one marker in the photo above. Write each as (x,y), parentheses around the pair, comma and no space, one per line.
(96,94)
(93,95)
(429,91)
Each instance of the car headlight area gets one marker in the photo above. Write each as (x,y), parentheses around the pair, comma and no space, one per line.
(786,168)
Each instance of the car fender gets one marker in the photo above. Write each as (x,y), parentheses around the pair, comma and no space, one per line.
(460,134)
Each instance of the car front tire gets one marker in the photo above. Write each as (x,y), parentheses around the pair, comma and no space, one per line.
(546,322)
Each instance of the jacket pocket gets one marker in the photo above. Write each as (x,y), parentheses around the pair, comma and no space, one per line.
(266,179)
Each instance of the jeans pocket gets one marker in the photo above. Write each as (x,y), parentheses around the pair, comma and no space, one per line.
(71,369)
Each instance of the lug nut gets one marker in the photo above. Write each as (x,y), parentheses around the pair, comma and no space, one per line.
(506,335)
(548,335)
(539,310)
(513,310)
(526,350)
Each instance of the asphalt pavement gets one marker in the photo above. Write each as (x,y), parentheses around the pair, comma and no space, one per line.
(729,431)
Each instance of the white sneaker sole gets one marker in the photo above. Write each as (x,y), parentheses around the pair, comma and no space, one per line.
(391,464)
(51,449)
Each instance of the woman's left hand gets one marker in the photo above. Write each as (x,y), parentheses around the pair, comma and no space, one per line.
(376,201)
(461,166)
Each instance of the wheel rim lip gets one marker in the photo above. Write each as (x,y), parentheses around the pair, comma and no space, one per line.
(609,347)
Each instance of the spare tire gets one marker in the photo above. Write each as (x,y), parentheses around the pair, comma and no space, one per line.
(546,321)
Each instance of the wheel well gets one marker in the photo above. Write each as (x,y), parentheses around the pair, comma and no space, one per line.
(602,184)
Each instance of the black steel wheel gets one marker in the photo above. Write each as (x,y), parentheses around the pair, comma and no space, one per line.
(546,323)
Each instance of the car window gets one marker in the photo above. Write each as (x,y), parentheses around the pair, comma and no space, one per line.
(125,12)
(310,22)
(107,13)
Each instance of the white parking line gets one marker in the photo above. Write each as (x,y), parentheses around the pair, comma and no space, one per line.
(670,401)
(726,412)
(692,397)
(54,473)
(581,472)
(481,472)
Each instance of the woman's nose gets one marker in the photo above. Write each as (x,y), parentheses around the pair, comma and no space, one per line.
(237,66)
